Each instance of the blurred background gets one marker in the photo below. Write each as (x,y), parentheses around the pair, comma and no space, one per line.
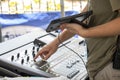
(32,6)
(18,17)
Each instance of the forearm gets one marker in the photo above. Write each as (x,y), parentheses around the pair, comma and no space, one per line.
(65,35)
(108,29)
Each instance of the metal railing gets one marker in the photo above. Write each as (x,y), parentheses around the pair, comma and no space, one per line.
(31,6)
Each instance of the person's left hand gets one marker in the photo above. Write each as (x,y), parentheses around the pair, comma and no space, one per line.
(72,27)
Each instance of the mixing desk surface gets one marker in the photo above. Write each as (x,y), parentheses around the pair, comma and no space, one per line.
(69,60)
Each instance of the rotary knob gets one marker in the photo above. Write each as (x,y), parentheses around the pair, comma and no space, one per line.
(25,52)
(18,55)
(12,58)
(37,49)
(22,61)
(33,54)
(33,48)
(28,58)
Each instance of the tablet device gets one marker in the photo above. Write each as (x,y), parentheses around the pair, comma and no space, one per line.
(77,18)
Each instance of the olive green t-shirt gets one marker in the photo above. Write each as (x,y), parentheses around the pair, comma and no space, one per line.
(100,50)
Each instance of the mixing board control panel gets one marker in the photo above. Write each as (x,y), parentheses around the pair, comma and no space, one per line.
(66,61)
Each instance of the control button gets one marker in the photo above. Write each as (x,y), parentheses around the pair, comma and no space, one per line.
(72,74)
(69,66)
(78,61)
(22,61)
(82,55)
(12,58)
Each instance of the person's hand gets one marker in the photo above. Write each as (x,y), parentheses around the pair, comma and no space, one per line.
(46,51)
(73,28)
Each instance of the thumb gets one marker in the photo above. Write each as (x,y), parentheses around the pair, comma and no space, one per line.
(63,26)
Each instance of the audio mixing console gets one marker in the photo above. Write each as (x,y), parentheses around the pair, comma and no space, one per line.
(16,55)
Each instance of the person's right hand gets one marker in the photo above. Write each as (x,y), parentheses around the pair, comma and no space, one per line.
(47,51)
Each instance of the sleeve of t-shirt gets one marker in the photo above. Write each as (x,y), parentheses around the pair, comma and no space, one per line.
(115,4)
